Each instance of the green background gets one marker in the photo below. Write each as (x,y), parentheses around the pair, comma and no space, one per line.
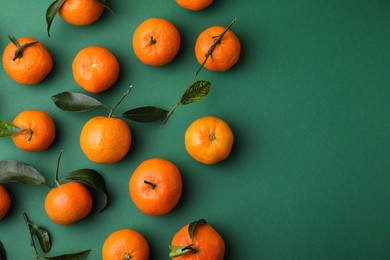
(308,102)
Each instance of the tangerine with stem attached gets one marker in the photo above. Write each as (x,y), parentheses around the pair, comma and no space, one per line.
(217,48)
(5,202)
(106,139)
(38,130)
(67,203)
(26,61)
(209,140)
(201,241)
(125,244)
(155,186)
(95,69)
(156,41)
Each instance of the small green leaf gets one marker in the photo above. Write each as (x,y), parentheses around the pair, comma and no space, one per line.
(3,255)
(105,4)
(15,171)
(51,12)
(75,102)
(145,114)
(192,227)
(195,92)
(43,238)
(8,129)
(91,178)
(75,256)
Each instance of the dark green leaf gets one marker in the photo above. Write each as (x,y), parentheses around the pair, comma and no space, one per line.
(51,12)
(91,178)
(3,255)
(8,129)
(192,227)
(13,40)
(43,238)
(15,171)
(75,102)
(146,114)
(195,92)
(105,4)
(75,256)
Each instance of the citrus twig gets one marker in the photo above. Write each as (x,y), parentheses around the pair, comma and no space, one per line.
(32,244)
(119,101)
(56,182)
(20,48)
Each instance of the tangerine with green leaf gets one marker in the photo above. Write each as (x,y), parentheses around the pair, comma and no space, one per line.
(68,203)
(37,130)
(155,186)
(26,61)
(125,244)
(106,139)
(197,240)
(5,201)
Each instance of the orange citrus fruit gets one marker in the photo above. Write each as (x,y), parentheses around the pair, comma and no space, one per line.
(207,243)
(5,202)
(194,5)
(95,69)
(68,203)
(105,139)
(81,12)
(28,63)
(225,54)
(39,130)
(155,186)
(156,41)
(125,244)
(209,140)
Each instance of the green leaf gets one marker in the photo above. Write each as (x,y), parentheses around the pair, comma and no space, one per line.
(8,129)
(105,4)
(75,102)
(146,114)
(15,171)
(195,92)
(43,238)
(75,256)
(192,227)
(51,12)
(3,255)
(91,178)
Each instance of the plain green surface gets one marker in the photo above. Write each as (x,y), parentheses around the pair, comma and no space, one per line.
(308,102)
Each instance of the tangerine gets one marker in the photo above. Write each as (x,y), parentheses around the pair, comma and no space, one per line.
(206,244)
(226,52)
(156,42)
(209,140)
(38,130)
(68,203)
(155,186)
(5,202)
(81,12)
(105,139)
(194,5)
(95,69)
(125,244)
(26,61)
